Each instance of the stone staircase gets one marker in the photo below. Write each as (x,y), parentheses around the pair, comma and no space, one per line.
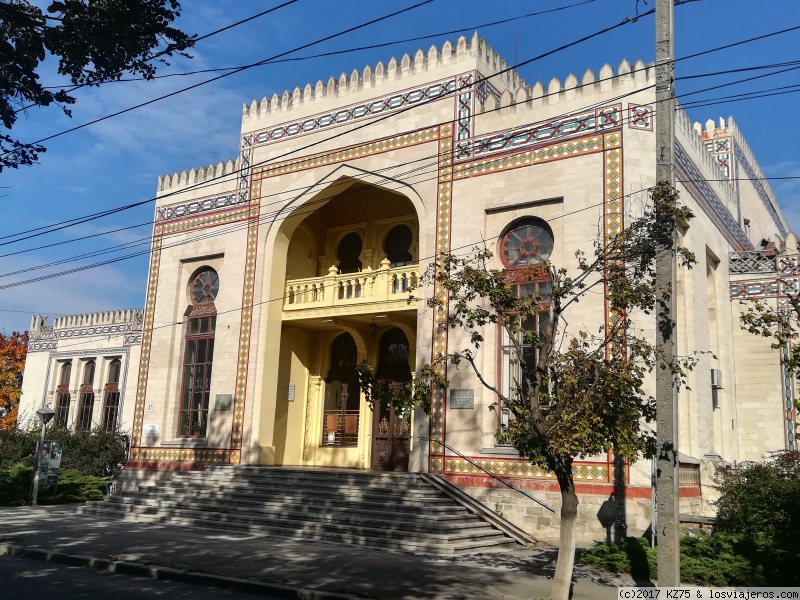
(378,510)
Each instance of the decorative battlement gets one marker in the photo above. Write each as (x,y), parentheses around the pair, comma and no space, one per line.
(516,90)
(40,325)
(178,179)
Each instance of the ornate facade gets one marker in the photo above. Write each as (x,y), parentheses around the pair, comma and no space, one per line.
(288,265)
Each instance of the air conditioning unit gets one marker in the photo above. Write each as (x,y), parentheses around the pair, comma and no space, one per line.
(716,379)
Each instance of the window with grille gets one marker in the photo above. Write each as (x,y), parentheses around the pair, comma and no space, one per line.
(86,404)
(524,248)
(341,413)
(198,356)
(62,396)
(111,396)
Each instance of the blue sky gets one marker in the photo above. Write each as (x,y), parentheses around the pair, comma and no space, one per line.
(118,161)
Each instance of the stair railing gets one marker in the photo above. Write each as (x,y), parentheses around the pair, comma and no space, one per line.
(498,478)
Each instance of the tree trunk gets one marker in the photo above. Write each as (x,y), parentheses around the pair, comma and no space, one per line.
(566,549)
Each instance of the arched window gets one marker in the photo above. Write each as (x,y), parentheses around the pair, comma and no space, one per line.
(62,396)
(348,252)
(198,353)
(397,245)
(524,248)
(393,357)
(86,405)
(342,395)
(111,395)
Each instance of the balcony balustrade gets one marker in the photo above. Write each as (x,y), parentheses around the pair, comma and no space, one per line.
(386,284)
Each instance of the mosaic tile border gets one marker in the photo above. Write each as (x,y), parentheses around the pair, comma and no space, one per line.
(439,349)
(463,122)
(195,455)
(692,179)
(583,472)
(245,329)
(210,220)
(147,338)
(530,135)
(350,114)
(421,136)
(613,218)
(578,146)
(214,202)
(762,193)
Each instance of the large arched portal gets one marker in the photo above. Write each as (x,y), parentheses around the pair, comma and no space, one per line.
(349,257)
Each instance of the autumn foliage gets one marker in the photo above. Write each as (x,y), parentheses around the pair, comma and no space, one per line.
(13,349)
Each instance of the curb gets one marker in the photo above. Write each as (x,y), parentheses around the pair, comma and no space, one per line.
(169,574)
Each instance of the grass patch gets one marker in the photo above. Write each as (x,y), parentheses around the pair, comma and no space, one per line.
(73,486)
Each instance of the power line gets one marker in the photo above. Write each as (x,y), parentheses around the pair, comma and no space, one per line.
(360,48)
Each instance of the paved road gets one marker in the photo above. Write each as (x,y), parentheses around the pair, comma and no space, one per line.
(24,579)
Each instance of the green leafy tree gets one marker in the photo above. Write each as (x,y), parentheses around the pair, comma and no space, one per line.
(94,41)
(579,393)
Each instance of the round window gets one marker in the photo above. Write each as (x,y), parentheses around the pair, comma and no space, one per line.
(204,287)
(528,242)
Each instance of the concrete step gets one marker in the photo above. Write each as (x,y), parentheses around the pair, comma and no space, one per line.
(421,523)
(442,509)
(358,536)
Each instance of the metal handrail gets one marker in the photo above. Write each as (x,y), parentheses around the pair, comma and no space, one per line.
(500,479)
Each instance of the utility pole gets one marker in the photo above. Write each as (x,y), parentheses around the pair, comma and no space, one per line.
(669,572)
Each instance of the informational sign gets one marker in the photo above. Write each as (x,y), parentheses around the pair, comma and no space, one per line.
(150,429)
(462,399)
(290,392)
(50,462)
(223,402)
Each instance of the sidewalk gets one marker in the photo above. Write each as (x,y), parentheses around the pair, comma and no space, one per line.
(520,573)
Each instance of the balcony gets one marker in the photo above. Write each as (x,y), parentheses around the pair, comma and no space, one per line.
(385,289)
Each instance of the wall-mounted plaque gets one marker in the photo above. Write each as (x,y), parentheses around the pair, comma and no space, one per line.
(223,401)
(290,392)
(462,399)
(150,429)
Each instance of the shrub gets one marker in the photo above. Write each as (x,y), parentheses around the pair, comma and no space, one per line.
(73,486)
(635,557)
(761,498)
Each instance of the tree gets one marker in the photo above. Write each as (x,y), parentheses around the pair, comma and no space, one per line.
(94,41)
(576,393)
(13,349)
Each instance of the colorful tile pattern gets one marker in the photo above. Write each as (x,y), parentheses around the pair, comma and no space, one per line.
(694,181)
(351,114)
(584,472)
(209,220)
(613,217)
(443,219)
(484,89)
(463,129)
(567,149)
(194,455)
(215,202)
(759,187)
(530,135)
(640,116)
(429,134)
(147,338)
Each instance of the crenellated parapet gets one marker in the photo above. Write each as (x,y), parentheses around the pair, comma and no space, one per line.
(200,175)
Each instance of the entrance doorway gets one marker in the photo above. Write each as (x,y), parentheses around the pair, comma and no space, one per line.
(391,431)
(342,395)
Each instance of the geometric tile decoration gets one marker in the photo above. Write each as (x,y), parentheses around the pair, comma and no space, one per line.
(690,176)
(566,149)
(193,207)
(760,288)
(484,89)
(720,150)
(389,144)
(584,472)
(48,338)
(640,116)
(245,328)
(609,117)
(463,128)
(613,219)
(350,114)
(205,221)
(439,350)
(147,336)
(759,186)
(195,455)
(529,135)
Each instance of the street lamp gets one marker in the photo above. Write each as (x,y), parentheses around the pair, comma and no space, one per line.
(45,414)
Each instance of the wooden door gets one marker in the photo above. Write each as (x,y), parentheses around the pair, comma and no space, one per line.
(391,440)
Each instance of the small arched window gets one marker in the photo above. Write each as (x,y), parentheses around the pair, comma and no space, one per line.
(86,404)
(348,252)
(397,245)
(528,242)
